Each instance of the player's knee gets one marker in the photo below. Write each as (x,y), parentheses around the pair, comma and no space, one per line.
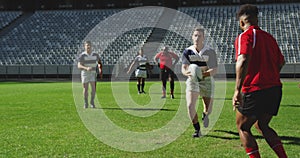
(262,126)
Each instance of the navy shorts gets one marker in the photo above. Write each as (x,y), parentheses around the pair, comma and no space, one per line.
(264,101)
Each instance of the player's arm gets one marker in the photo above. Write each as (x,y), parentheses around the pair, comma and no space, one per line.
(176,57)
(184,70)
(210,72)
(82,67)
(100,68)
(241,70)
(281,60)
(130,67)
(155,58)
(212,64)
(281,65)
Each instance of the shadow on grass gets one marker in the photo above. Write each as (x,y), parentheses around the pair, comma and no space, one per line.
(235,135)
(138,109)
(290,105)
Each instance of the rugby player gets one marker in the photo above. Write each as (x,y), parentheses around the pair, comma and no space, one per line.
(141,72)
(166,65)
(205,57)
(88,62)
(258,88)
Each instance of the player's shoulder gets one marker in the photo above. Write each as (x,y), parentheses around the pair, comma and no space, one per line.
(82,54)
(188,50)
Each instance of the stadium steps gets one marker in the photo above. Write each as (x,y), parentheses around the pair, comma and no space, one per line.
(15,23)
(155,39)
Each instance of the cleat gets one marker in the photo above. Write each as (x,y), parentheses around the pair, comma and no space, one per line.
(93,106)
(143,92)
(85,106)
(163,97)
(197,134)
(172,96)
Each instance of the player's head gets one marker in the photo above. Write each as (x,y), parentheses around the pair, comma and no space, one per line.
(87,46)
(198,36)
(247,15)
(165,49)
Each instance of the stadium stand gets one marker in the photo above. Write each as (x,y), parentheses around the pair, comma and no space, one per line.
(49,37)
(7,17)
(54,37)
(221,26)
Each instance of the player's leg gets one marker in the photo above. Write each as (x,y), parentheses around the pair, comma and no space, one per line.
(164,82)
(93,93)
(271,99)
(206,91)
(85,94)
(143,85)
(139,80)
(244,124)
(207,108)
(172,85)
(191,100)
(262,125)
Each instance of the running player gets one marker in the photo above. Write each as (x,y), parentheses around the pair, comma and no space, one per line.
(88,62)
(205,57)
(141,72)
(258,89)
(166,65)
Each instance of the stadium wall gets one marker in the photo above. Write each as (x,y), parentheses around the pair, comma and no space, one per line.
(109,71)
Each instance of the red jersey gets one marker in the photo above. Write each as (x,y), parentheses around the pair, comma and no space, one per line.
(265,58)
(165,59)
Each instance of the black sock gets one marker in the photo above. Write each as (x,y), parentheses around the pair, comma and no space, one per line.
(139,87)
(143,85)
(197,126)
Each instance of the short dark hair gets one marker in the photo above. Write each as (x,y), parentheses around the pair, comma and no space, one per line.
(200,29)
(88,42)
(251,11)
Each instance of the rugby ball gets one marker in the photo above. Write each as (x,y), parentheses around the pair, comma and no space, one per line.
(196,72)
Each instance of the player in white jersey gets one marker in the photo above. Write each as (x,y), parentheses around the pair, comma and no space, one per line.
(88,63)
(141,62)
(205,60)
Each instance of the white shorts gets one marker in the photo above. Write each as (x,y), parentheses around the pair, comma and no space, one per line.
(205,87)
(88,77)
(141,73)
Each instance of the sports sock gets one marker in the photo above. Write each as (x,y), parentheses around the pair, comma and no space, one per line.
(143,85)
(139,87)
(253,152)
(196,126)
(86,101)
(278,149)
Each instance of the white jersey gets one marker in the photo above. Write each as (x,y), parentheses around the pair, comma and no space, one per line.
(141,61)
(89,60)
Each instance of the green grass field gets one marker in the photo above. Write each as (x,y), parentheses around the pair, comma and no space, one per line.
(42,120)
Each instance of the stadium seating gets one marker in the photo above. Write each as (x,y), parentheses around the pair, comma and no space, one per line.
(220,23)
(55,37)
(7,17)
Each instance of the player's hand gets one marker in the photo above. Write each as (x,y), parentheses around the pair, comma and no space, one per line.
(188,73)
(237,100)
(88,68)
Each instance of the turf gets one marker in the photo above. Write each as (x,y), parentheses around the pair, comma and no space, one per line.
(42,120)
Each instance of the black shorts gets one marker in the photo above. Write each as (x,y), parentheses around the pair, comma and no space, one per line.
(165,74)
(264,101)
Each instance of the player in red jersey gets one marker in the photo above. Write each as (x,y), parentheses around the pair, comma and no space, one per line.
(258,89)
(166,65)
